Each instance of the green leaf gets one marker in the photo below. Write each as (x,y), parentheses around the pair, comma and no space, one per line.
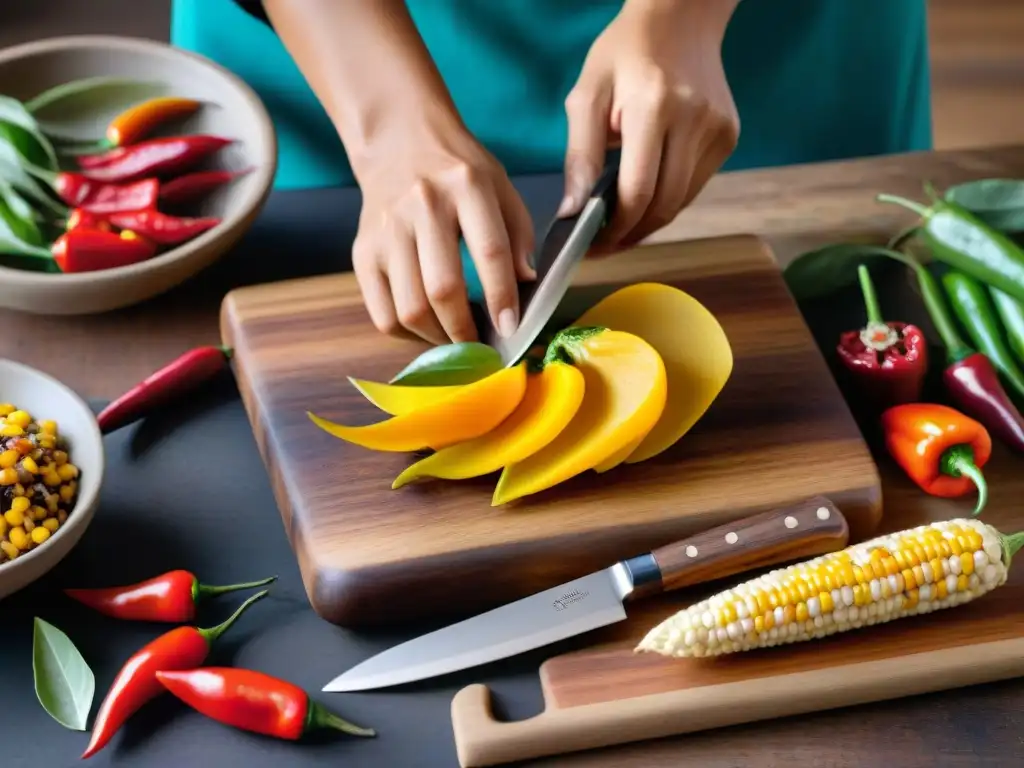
(998,202)
(86,101)
(451,364)
(21,129)
(19,215)
(13,169)
(828,269)
(64,682)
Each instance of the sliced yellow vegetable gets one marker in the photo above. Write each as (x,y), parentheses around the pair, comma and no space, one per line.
(624,394)
(697,354)
(552,398)
(474,410)
(399,399)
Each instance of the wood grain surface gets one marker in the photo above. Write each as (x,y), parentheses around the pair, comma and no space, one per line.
(779,432)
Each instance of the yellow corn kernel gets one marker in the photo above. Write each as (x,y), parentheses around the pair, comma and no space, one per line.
(954,547)
(961,583)
(769,620)
(67,493)
(919,575)
(941,590)
(14,516)
(801,611)
(9,549)
(909,582)
(29,464)
(47,441)
(67,471)
(7,408)
(910,599)
(861,595)
(759,623)
(762,601)
(975,539)
(803,590)
(11,430)
(19,418)
(51,478)
(8,476)
(849,578)
(39,513)
(28,525)
(967,563)
(891,566)
(937,572)
(825,598)
(3,527)
(48,427)
(40,534)
(19,538)
(62,516)
(930,550)
(788,614)
(52,502)
(8,458)
(20,504)
(51,524)
(60,457)
(20,490)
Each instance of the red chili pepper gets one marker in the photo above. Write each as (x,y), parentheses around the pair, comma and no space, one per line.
(172,596)
(177,377)
(889,361)
(162,228)
(136,683)
(91,250)
(80,192)
(193,186)
(97,159)
(154,157)
(82,219)
(254,701)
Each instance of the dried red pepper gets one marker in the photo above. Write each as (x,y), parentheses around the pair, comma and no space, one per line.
(153,157)
(254,701)
(194,186)
(181,375)
(171,596)
(141,119)
(136,683)
(80,192)
(91,250)
(939,448)
(162,228)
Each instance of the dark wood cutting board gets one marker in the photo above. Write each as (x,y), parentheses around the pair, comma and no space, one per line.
(779,432)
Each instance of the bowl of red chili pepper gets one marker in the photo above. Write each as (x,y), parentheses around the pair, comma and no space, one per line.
(51,469)
(127,166)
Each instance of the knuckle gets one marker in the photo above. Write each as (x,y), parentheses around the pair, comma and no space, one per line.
(492,253)
(579,100)
(414,314)
(423,195)
(466,175)
(444,290)
(387,324)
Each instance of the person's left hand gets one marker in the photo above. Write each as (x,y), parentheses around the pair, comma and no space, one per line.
(653,82)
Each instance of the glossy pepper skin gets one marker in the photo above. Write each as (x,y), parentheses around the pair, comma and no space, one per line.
(162,228)
(964,242)
(169,597)
(939,448)
(142,119)
(79,192)
(1011,315)
(91,250)
(194,186)
(254,701)
(136,683)
(82,219)
(181,375)
(888,361)
(154,157)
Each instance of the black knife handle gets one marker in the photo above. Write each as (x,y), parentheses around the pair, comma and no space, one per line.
(607,185)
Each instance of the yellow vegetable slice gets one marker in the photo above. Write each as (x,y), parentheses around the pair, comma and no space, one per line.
(697,354)
(474,410)
(400,399)
(624,394)
(552,398)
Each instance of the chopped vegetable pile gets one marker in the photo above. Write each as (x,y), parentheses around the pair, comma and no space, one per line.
(38,482)
(69,207)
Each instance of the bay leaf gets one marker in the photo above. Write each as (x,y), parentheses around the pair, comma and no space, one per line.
(64,682)
(451,364)
(833,267)
(997,202)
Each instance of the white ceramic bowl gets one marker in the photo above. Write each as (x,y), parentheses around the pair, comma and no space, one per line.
(46,398)
(232,110)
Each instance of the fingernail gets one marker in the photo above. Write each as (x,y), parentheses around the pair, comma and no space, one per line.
(507,323)
(567,206)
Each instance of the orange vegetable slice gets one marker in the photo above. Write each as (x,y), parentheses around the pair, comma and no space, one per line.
(624,395)
(552,398)
(474,410)
(400,399)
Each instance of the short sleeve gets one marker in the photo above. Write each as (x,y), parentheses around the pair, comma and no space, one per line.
(253,8)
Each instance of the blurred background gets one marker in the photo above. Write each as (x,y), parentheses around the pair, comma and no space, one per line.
(977,53)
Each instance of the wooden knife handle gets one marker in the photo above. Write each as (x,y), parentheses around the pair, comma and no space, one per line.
(812,527)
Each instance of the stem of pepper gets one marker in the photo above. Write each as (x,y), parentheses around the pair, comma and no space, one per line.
(874,310)
(958,461)
(921,210)
(317,717)
(205,590)
(210,635)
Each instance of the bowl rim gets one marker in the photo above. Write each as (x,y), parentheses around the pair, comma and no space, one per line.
(263,172)
(84,500)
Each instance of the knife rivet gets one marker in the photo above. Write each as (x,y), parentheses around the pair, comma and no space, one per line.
(691,551)
(791,522)
(823,513)
(731,537)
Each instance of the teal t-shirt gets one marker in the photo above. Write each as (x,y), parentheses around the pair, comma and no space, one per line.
(813,79)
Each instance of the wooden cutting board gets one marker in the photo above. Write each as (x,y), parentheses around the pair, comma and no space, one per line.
(779,432)
(609,695)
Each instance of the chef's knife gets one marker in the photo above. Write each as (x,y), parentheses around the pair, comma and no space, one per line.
(810,528)
(562,248)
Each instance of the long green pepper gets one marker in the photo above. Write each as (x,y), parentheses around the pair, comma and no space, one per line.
(976,313)
(1011,313)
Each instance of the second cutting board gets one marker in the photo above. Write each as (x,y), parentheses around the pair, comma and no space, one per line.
(779,432)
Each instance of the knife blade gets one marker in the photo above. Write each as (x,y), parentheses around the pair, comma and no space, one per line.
(807,529)
(562,249)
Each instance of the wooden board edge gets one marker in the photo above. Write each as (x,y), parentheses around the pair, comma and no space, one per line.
(481,740)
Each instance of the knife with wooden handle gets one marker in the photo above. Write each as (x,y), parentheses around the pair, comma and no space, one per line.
(813,527)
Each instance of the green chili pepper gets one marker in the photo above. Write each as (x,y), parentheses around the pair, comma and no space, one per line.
(975,311)
(1011,312)
(961,240)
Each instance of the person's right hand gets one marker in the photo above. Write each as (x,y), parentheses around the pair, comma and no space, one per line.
(422,188)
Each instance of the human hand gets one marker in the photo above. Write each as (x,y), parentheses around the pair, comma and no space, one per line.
(421,187)
(653,82)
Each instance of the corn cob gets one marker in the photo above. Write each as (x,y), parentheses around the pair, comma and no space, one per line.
(888,577)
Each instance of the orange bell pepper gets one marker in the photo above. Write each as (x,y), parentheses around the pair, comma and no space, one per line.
(939,448)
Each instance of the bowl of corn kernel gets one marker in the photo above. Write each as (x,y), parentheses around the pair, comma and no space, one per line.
(51,468)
